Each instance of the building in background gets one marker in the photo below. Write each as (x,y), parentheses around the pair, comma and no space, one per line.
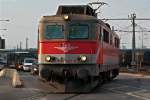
(3,52)
(2,43)
(16,57)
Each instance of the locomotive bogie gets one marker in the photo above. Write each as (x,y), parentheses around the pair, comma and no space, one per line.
(73,70)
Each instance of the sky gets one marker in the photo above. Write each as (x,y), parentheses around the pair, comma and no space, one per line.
(24,16)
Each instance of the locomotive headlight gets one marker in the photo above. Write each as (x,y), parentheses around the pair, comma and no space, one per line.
(82,58)
(66,17)
(48,58)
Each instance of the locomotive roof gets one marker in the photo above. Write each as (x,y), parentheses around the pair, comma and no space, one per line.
(76,9)
(71,16)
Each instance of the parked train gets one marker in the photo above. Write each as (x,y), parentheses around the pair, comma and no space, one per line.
(141,55)
(74,46)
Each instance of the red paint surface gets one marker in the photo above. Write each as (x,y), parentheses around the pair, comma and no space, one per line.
(77,47)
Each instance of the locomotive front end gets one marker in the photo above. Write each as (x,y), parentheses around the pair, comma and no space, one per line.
(67,49)
(76,50)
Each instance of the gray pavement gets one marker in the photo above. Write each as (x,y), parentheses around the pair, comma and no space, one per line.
(124,87)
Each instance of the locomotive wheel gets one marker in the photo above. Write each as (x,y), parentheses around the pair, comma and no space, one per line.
(110,75)
(84,76)
(45,74)
(100,79)
(105,77)
(115,72)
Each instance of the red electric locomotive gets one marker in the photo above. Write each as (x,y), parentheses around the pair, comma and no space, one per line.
(76,50)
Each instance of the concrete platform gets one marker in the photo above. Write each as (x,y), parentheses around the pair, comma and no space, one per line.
(12,75)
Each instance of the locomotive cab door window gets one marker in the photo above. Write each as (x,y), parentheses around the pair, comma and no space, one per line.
(116,42)
(79,32)
(105,36)
(54,32)
(111,39)
(100,33)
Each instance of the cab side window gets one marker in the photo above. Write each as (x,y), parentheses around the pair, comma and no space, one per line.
(105,36)
(100,33)
(116,42)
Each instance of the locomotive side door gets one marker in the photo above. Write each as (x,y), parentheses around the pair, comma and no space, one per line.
(100,44)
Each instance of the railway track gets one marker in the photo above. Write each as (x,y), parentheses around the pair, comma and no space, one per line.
(135,87)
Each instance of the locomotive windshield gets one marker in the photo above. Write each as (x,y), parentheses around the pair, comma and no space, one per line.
(78,32)
(54,32)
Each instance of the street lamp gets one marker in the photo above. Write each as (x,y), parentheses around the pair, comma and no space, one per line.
(7,20)
(133,17)
(3,29)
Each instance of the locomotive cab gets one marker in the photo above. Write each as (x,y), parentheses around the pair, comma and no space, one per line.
(67,42)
